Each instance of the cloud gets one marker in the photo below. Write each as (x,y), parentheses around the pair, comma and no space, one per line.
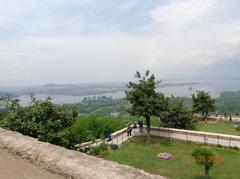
(88,40)
(72,59)
(196,33)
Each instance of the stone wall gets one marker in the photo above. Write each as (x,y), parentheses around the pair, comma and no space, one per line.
(69,163)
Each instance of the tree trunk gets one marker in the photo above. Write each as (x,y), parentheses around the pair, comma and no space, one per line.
(148,124)
(206,172)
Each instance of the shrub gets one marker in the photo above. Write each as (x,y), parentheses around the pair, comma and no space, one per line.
(235,148)
(114,146)
(204,157)
(43,120)
(97,150)
(90,127)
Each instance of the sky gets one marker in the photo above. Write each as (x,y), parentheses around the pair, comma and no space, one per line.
(82,41)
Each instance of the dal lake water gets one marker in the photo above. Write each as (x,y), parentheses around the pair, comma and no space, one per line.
(214,87)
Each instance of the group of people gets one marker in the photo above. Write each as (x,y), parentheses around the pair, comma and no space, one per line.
(129,127)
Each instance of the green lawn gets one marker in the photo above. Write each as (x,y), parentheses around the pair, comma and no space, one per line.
(139,154)
(218,127)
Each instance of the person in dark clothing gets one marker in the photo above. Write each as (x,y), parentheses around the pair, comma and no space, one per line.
(140,123)
(109,137)
(129,130)
(134,124)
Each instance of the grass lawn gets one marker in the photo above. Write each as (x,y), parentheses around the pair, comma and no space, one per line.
(137,153)
(218,127)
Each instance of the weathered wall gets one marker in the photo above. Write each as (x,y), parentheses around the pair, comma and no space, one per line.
(69,163)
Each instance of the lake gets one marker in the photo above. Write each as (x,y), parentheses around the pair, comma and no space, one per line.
(214,87)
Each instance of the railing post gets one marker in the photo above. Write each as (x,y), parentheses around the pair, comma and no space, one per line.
(186,137)
(169,134)
(122,138)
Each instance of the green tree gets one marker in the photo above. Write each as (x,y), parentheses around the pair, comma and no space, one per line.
(204,157)
(203,102)
(144,99)
(177,116)
(41,119)
(75,111)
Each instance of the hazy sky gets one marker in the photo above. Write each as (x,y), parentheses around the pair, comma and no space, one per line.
(75,41)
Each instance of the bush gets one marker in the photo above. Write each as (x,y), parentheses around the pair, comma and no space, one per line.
(235,148)
(114,146)
(42,120)
(98,150)
(90,127)
(204,157)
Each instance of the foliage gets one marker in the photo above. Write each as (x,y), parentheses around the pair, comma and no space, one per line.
(41,119)
(144,99)
(75,112)
(89,128)
(203,102)
(114,146)
(98,150)
(177,116)
(228,102)
(205,157)
(100,106)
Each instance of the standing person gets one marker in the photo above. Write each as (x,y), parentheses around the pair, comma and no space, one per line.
(141,126)
(134,124)
(225,115)
(129,130)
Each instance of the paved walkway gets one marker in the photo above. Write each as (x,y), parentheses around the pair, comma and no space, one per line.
(13,167)
(123,137)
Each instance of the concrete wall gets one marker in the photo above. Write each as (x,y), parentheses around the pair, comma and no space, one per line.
(185,135)
(69,163)
(197,136)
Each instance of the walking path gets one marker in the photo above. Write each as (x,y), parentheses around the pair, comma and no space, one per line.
(14,167)
(123,137)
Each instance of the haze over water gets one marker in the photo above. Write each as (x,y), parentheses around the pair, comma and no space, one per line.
(214,87)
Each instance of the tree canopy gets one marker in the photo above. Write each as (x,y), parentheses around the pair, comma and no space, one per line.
(204,157)
(144,99)
(203,102)
(177,115)
(41,119)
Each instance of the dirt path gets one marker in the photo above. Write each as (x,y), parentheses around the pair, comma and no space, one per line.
(13,167)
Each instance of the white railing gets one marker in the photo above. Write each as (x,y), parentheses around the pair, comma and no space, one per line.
(199,137)
(206,138)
